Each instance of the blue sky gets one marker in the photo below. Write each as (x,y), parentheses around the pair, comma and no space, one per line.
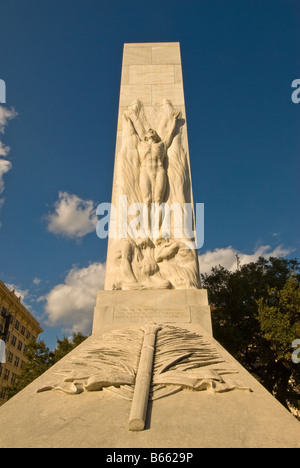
(61,62)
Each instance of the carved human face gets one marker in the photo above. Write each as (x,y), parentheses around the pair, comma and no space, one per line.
(141,242)
(161,241)
(152,135)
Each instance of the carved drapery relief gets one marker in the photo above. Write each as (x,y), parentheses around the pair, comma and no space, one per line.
(152,170)
(146,363)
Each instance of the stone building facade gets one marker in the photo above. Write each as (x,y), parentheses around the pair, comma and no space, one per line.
(17,328)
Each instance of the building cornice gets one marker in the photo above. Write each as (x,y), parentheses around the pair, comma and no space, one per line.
(17,302)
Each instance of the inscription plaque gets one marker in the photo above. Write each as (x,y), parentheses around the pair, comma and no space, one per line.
(124,314)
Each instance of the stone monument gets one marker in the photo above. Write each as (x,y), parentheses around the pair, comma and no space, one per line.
(151,374)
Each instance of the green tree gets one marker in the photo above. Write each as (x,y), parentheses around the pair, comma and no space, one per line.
(279,318)
(66,345)
(39,358)
(238,325)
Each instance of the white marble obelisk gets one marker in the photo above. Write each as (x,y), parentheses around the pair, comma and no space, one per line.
(152,337)
(152,244)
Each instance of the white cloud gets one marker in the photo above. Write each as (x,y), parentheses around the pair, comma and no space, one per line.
(5,166)
(6,115)
(24,294)
(227,257)
(72,216)
(71,304)
(4,150)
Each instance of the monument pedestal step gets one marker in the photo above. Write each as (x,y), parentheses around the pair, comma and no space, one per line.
(116,309)
(187,419)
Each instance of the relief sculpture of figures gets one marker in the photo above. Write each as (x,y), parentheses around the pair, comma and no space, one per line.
(152,171)
(137,268)
(152,151)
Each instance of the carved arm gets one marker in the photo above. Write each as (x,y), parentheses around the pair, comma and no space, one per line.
(133,133)
(170,134)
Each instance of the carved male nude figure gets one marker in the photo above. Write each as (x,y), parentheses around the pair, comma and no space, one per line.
(152,152)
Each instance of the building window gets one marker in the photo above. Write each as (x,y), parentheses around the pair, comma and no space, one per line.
(23,330)
(17,325)
(17,360)
(13,341)
(3,312)
(13,378)
(6,374)
(28,335)
(10,357)
(20,345)
(2,393)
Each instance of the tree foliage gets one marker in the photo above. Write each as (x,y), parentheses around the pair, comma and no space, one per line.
(256,317)
(66,345)
(39,358)
(278,316)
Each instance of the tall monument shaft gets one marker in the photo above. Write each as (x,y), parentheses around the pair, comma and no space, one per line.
(149,346)
(152,236)
(152,230)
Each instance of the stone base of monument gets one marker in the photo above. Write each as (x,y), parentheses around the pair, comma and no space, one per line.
(199,396)
(115,309)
